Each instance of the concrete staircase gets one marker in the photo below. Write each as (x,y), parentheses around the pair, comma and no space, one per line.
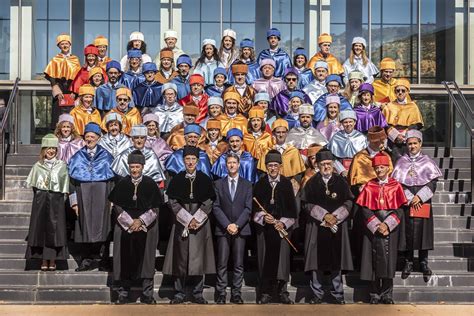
(452,260)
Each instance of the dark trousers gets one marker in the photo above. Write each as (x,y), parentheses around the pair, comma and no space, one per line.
(381,288)
(226,244)
(422,256)
(124,288)
(317,280)
(92,253)
(196,281)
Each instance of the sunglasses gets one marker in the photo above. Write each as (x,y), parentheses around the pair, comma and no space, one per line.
(122,100)
(400,90)
(290,79)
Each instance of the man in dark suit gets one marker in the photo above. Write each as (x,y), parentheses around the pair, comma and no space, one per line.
(232,209)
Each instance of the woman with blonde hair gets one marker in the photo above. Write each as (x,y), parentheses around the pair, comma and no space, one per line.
(359,61)
(69,140)
(47,238)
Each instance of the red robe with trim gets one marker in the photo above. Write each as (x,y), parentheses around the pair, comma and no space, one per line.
(389,196)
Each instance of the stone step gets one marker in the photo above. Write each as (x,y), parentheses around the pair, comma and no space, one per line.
(457,152)
(13,233)
(31,149)
(16,249)
(452,197)
(22,194)
(452,162)
(22,159)
(13,206)
(17,170)
(454,174)
(103,295)
(450,186)
(66,279)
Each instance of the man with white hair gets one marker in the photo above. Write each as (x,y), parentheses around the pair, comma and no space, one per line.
(305,134)
(152,166)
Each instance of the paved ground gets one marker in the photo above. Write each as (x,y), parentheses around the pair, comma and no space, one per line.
(228,310)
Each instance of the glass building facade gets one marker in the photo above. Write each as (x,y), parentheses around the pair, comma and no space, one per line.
(431,40)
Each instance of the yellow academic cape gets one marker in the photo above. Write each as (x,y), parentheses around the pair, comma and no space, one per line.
(228,123)
(385,92)
(257,147)
(215,153)
(132,117)
(334,66)
(63,67)
(82,117)
(402,114)
(292,163)
(361,170)
(176,138)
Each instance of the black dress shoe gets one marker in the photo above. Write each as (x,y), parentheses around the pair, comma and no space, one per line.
(121,300)
(285,299)
(407,270)
(177,300)
(315,300)
(426,271)
(220,300)
(388,301)
(200,300)
(374,301)
(237,299)
(148,300)
(339,301)
(84,266)
(265,299)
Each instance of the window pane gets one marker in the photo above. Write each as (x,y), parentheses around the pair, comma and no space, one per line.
(130,10)
(191,42)
(285,30)
(297,36)
(92,11)
(428,11)
(152,37)
(59,9)
(338,46)
(281,11)
(297,11)
(211,30)
(401,46)
(396,11)
(4,49)
(244,30)
(210,10)
(40,48)
(114,41)
(40,8)
(129,27)
(243,11)
(114,9)
(191,10)
(428,53)
(338,11)
(150,10)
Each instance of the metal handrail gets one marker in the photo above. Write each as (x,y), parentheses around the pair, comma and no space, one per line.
(463,109)
(11,100)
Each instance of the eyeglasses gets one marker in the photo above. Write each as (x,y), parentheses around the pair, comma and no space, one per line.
(290,79)
(122,100)
(400,90)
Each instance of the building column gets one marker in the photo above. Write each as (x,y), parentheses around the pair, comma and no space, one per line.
(171,18)
(262,24)
(21,39)
(470,42)
(317,21)
(459,42)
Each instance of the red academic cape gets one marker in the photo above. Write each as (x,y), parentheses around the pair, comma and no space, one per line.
(382,197)
(202,105)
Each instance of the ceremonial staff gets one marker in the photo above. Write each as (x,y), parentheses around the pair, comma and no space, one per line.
(283,232)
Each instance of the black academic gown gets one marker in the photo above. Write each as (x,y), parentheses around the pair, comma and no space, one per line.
(419,231)
(274,251)
(47,226)
(379,253)
(192,255)
(134,253)
(325,250)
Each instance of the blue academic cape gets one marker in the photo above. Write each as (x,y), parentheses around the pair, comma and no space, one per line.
(320,107)
(147,95)
(281,58)
(82,168)
(183,86)
(247,169)
(175,163)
